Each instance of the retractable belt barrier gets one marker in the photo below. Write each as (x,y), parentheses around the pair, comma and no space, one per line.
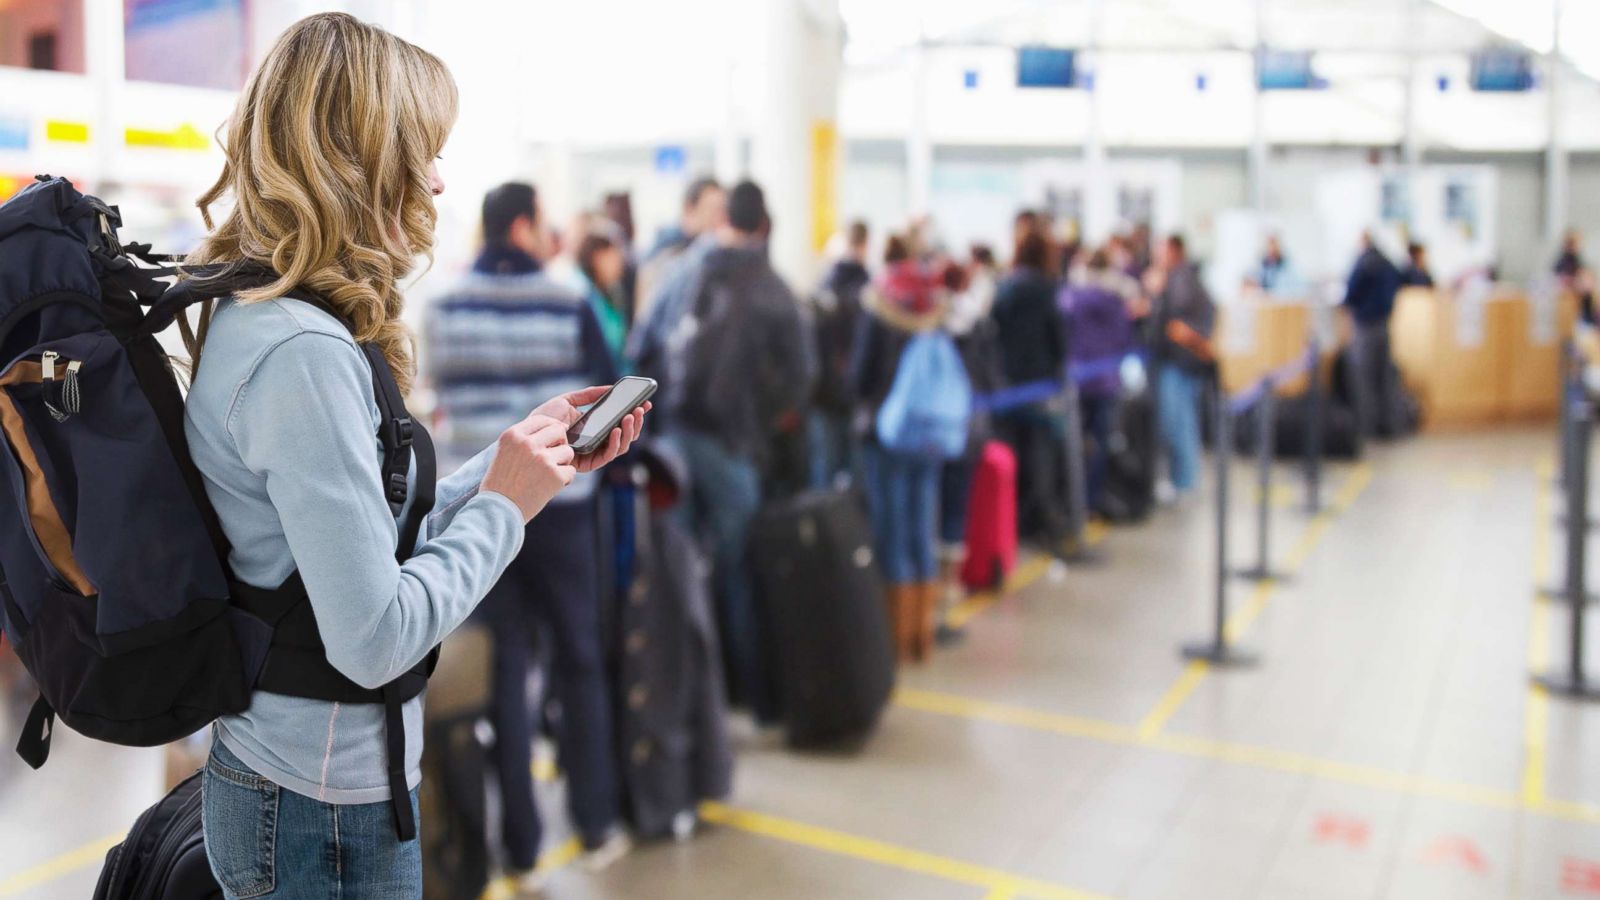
(1063,391)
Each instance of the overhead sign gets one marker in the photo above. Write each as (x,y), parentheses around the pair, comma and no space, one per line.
(671,159)
(1046,67)
(184,137)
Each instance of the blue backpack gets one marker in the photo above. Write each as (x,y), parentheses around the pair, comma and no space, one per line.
(114,581)
(929,406)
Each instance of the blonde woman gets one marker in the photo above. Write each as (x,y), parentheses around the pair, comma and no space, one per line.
(330,169)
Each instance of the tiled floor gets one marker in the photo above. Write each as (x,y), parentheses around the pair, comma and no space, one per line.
(1386,745)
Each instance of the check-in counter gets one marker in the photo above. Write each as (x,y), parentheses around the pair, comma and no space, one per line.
(1480,357)
(1259,335)
(1471,358)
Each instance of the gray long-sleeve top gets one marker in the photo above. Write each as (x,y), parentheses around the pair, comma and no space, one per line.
(282,424)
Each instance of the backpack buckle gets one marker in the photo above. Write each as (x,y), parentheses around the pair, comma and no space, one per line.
(397,490)
(397,433)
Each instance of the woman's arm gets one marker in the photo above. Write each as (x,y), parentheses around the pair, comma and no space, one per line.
(303,421)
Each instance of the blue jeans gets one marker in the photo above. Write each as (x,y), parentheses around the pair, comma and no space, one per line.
(1178,406)
(955,492)
(551,593)
(267,841)
(1099,422)
(832,448)
(725,494)
(903,493)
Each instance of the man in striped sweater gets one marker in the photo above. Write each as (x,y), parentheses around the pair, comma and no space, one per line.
(502,339)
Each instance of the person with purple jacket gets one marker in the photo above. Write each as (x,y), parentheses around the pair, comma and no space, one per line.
(1099,329)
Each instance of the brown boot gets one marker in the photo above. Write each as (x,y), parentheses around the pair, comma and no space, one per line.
(900,602)
(926,594)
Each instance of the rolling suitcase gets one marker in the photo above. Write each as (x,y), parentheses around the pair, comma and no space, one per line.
(822,599)
(1131,469)
(454,834)
(991,519)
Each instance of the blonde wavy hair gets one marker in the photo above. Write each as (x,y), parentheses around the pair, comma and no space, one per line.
(327,165)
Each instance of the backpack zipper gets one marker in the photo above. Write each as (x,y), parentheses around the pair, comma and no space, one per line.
(71,398)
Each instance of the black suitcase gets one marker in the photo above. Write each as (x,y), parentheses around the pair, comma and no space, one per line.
(827,627)
(1130,485)
(164,855)
(1341,438)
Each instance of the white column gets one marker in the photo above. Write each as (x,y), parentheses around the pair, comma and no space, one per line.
(1411,138)
(1258,126)
(919,141)
(1097,181)
(797,91)
(1555,154)
(727,150)
(104,62)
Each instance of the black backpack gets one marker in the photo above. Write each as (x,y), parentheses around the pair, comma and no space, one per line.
(164,854)
(114,581)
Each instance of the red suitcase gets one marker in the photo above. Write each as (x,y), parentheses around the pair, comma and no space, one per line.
(991,519)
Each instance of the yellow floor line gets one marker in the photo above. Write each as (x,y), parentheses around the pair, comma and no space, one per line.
(51,869)
(555,858)
(997,882)
(1242,618)
(1239,754)
(1536,715)
(1156,719)
(1026,573)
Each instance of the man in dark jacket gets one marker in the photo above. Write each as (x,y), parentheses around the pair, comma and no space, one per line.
(1184,317)
(747,367)
(835,313)
(1369,297)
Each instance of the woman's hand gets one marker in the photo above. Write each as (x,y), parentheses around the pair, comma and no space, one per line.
(567,408)
(617,443)
(533,463)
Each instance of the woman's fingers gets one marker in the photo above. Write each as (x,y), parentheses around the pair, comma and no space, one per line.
(551,434)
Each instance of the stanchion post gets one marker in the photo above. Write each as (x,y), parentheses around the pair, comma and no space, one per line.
(1314,426)
(1572,682)
(1216,650)
(1266,430)
(1077,549)
(1572,398)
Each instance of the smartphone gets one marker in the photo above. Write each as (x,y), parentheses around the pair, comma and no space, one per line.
(590,432)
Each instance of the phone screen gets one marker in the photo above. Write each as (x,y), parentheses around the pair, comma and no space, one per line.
(590,431)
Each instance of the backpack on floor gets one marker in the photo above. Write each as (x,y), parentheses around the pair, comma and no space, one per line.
(164,855)
(929,406)
(115,588)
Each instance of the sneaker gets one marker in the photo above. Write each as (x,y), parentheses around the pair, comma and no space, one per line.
(530,883)
(1166,494)
(614,847)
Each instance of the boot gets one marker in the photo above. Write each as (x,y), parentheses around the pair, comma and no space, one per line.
(926,594)
(901,604)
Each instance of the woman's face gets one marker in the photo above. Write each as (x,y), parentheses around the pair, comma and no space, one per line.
(608,266)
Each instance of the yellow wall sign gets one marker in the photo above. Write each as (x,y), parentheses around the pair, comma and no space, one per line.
(184,137)
(824,183)
(66,132)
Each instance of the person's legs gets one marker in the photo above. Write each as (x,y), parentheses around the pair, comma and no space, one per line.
(728,492)
(1385,386)
(1368,374)
(508,610)
(264,841)
(1180,424)
(1099,419)
(372,861)
(922,522)
(568,603)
